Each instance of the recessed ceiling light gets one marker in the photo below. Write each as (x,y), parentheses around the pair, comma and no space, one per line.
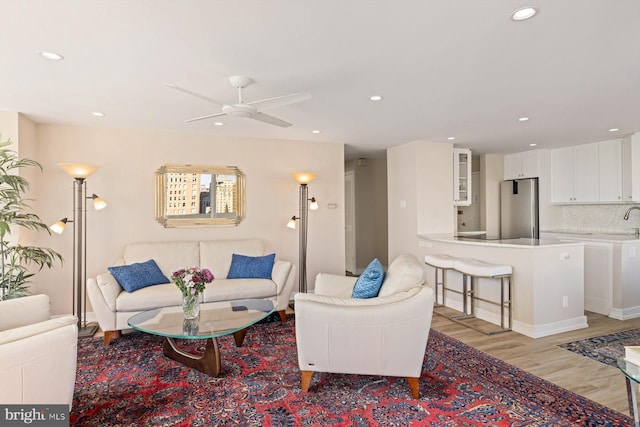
(375,98)
(524,13)
(451,138)
(523,119)
(315,131)
(218,124)
(51,55)
(98,114)
(614,130)
(533,145)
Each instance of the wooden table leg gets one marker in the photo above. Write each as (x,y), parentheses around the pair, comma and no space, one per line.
(208,362)
(238,336)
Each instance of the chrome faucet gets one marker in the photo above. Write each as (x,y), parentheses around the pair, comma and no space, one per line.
(626,215)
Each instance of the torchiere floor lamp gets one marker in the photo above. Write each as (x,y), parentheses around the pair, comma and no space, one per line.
(80,173)
(305,204)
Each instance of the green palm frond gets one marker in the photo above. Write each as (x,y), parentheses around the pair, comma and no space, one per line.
(15,212)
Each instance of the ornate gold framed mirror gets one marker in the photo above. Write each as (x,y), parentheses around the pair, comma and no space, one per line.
(199,195)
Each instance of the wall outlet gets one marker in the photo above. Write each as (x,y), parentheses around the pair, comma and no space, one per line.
(403,204)
(565,301)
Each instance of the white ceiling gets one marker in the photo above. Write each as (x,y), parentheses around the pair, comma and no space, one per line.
(446,68)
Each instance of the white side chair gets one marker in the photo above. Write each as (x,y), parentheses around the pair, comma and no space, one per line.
(385,335)
(38,354)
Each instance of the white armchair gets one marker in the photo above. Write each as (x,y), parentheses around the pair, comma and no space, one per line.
(38,354)
(385,335)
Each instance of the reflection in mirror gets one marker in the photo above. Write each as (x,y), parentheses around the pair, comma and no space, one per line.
(199,196)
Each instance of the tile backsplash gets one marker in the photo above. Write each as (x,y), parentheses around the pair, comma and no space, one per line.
(599,218)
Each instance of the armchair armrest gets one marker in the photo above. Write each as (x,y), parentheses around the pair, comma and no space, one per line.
(334,285)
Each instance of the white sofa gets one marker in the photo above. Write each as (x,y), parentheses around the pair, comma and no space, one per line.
(38,354)
(385,335)
(113,306)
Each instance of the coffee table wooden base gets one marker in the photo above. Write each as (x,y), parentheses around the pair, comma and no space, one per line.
(208,362)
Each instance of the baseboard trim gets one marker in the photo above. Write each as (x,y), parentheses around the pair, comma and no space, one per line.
(528,329)
(624,313)
(553,328)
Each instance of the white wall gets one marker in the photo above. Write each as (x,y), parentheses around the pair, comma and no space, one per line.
(370,188)
(420,188)
(491,175)
(128,159)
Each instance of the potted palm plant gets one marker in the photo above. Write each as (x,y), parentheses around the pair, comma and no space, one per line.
(15,212)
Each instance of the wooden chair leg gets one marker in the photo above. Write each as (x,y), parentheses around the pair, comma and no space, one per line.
(413,385)
(306,380)
(283,315)
(109,335)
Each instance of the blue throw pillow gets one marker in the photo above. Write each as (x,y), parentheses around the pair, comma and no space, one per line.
(251,267)
(369,283)
(138,275)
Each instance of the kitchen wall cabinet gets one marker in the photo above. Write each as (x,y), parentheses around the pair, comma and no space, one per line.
(631,168)
(522,165)
(610,170)
(461,177)
(574,174)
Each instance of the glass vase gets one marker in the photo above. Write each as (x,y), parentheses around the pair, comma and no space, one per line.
(191,306)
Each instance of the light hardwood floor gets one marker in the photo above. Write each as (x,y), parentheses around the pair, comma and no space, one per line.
(541,357)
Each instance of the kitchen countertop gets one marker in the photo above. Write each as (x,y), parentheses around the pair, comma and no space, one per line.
(514,243)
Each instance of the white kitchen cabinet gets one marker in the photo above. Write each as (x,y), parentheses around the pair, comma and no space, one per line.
(631,168)
(610,170)
(522,165)
(574,174)
(461,177)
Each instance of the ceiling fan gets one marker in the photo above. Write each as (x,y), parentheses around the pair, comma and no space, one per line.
(251,110)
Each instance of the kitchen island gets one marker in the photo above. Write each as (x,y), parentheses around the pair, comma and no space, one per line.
(548,280)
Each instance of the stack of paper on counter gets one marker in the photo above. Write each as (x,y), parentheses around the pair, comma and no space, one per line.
(632,354)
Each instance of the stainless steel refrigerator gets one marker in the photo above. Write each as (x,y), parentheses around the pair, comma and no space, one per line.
(519,209)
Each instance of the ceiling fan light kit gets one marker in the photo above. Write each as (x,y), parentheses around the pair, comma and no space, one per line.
(250,110)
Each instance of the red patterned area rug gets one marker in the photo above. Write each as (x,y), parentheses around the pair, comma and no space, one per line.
(130,383)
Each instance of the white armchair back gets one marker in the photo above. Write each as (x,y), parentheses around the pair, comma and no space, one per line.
(386,335)
(38,354)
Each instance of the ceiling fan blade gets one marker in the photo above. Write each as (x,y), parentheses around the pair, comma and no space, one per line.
(206,98)
(208,116)
(270,119)
(280,101)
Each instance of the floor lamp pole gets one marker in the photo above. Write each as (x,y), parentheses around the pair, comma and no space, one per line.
(302,286)
(79,257)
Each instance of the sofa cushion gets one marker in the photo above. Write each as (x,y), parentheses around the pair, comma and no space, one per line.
(251,267)
(234,289)
(165,295)
(369,282)
(138,275)
(170,256)
(216,254)
(404,273)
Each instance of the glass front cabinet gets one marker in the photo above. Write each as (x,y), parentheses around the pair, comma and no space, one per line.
(461,177)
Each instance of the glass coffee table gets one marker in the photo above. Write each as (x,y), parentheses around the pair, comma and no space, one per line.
(631,373)
(216,320)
